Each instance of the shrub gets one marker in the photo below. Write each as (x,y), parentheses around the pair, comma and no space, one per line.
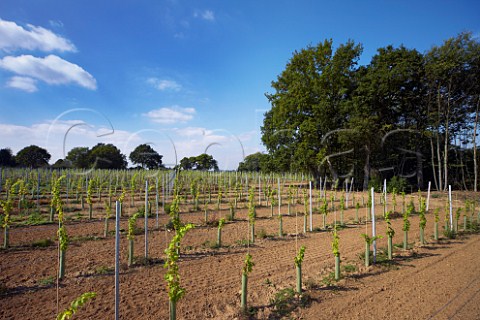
(397,183)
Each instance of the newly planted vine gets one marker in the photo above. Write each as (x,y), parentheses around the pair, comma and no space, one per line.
(247,268)
(298,260)
(130,236)
(172,277)
(336,252)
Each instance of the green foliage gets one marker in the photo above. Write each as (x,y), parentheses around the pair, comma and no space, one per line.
(203,162)
(251,206)
(422,211)
(43,243)
(390,231)
(307,102)
(286,301)
(62,238)
(248,264)
(131,226)
(33,157)
(397,184)
(299,257)
(406,215)
(47,281)
(75,305)
(335,242)
(255,162)
(146,156)
(436,213)
(175,291)
(368,239)
(221,222)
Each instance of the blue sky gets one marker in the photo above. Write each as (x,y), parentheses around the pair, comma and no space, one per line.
(183,76)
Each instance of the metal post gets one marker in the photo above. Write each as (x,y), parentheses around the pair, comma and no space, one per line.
(450,205)
(118,209)
(146,220)
(428,194)
(373,227)
(311,218)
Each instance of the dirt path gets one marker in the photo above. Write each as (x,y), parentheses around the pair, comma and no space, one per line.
(439,282)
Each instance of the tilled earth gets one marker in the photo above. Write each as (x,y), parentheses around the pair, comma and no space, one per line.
(439,280)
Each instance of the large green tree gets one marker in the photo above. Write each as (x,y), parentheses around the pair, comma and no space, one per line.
(106,156)
(204,162)
(146,156)
(6,158)
(387,117)
(451,75)
(255,162)
(78,157)
(33,157)
(308,106)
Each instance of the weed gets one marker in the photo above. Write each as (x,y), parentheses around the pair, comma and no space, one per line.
(242,242)
(329,279)
(47,281)
(349,268)
(286,301)
(43,243)
(449,233)
(104,270)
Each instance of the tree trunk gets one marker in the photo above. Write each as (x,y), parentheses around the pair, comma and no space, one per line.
(433,164)
(445,155)
(418,154)
(475,147)
(366,169)
(439,158)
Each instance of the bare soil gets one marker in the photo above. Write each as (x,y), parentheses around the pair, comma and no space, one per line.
(439,280)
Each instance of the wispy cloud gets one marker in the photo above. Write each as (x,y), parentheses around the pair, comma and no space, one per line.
(51,69)
(207,15)
(164,84)
(22,83)
(14,37)
(170,115)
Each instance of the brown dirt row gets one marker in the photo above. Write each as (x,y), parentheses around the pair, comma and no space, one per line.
(212,276)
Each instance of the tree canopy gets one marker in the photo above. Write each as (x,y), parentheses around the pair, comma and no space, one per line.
(6,158)
(255,162)
(404,114)
(33,157)
(146,156)
(106,156)
(203,162)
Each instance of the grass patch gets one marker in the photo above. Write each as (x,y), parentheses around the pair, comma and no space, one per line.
(348,268)
(242,242)
(262,234)
(210,244)
(286,301)
(43,243)
(47,281)
(104,270)
(329,279)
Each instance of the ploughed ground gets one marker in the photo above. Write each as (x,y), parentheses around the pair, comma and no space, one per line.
(439,280)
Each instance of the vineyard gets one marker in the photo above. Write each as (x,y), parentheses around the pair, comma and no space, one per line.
(228,245)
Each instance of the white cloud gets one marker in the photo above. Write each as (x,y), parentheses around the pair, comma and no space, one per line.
(163,84)
(22,83)
(173,144)
(13,37)
(51,134)
(207,15)
(170,115)
(51,69)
